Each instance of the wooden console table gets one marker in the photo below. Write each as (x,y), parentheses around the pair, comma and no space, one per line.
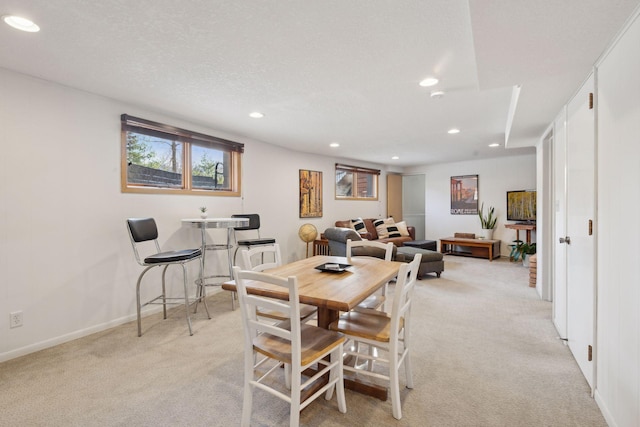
(527,227)
(480,248)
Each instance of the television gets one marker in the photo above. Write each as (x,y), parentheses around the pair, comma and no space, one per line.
(521,206)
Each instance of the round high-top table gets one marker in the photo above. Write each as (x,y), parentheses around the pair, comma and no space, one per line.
(229,224)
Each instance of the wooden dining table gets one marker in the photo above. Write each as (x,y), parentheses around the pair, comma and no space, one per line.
(331,292)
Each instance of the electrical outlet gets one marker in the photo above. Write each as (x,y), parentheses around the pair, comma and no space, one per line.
(15,319)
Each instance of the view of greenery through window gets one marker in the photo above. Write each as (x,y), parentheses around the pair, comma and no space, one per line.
(153,152)
(160,154)
(159,158)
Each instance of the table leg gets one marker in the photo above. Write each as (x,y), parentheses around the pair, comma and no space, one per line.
(230,262)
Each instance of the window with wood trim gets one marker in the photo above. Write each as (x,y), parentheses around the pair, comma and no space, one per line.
(356,183)
(157,158)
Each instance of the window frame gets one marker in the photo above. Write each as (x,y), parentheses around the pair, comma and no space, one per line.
(355,171)
(187,139)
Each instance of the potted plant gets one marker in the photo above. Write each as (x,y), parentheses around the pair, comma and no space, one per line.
(522,251)
(487,222)
(203,212)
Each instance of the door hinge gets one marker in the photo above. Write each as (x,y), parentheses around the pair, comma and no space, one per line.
(590,354)
(590,227)
(591,101)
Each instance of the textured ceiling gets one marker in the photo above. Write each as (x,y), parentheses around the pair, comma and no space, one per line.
(329,71)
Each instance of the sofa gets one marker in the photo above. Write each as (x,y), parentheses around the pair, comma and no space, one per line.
(369,232)
(432,262)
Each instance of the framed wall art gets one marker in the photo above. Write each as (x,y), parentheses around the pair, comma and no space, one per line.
(310,194)
(464,195)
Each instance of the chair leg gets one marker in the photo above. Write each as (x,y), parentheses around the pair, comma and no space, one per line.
(373,352)
(342,402)
(394,383)
(202,296)
(294,420)
(231,260)
(408,369)
(164,293)
(186,297)
(139,305)
(384,294)
(247,401)
(337,372)
(287,376)
(201,292)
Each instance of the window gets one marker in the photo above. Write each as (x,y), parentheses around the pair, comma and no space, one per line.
(157,158)
(356,183)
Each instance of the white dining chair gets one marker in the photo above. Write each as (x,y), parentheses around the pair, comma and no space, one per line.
(254,259)
(377,249)
(388,335)
(291,344)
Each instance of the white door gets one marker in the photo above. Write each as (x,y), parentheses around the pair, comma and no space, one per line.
(559,295)
(580,214)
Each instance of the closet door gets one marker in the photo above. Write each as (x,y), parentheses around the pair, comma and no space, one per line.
(580,239)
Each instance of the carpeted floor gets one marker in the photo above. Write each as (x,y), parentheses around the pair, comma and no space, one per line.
(485,354)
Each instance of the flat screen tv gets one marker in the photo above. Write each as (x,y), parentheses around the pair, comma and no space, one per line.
(521,206)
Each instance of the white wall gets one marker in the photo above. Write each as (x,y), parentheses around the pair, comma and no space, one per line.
(65,256)
(495,178)
(618,230)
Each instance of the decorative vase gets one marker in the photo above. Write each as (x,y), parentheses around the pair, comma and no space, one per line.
(203,215)
(487,233)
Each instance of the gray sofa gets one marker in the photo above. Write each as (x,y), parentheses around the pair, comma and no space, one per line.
(337,237)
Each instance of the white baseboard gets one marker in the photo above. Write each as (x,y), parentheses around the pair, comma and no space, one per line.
(32,348)
(605,411)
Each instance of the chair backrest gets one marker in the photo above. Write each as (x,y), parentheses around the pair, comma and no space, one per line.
(369,248)
(250,255)
(254,221)
(142,230)
(254,325)
(405,284)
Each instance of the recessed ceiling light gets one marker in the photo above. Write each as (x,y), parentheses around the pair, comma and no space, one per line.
(334,145)
(256,115)
(21,23)
(437,94)
(495,144)
(395,158)
(429,81)
(453,131)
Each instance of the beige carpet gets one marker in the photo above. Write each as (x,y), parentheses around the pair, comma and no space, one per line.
(485,354)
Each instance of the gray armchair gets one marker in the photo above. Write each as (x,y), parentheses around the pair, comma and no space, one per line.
(338,236)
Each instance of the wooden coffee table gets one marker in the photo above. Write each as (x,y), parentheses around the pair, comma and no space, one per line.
(479,248)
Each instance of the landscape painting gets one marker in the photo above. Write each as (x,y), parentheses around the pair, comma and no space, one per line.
(310,194)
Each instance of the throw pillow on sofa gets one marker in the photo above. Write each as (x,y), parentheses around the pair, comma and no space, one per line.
(358,225)
(386,228)
(402,228)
